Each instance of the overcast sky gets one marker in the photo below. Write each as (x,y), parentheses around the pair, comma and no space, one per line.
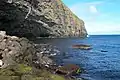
(100,16)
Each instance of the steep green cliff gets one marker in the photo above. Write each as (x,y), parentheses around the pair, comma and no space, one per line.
(39,18)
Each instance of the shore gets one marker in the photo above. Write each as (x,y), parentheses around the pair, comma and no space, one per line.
(22,59)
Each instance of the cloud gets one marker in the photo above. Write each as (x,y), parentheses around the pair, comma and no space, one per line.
(94,27)
(96,21)
(86,8)
(93,9)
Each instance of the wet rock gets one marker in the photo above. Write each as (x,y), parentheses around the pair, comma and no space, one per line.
(44,54)
(68,69)
(82,46)
(104,51)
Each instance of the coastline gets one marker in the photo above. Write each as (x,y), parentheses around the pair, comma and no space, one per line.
(18,64)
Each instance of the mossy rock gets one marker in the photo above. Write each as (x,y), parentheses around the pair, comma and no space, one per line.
(69,69)
(16,70)
(24,72)
(26,77)
(9,78)
(45,73)
(6,72)
(24,68)
(57,77)
(40,78)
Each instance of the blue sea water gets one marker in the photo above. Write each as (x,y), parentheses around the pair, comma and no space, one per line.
(96,65)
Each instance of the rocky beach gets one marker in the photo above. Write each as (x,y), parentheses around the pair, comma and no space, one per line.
(23,60)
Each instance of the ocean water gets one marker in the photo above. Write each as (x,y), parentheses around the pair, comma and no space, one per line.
(96,65)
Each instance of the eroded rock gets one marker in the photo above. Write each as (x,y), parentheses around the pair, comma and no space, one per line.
(39,18)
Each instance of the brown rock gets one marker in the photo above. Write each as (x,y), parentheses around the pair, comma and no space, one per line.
(68,69)
(82,46)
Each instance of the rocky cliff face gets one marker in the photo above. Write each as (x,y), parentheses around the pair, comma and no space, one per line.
(39,18)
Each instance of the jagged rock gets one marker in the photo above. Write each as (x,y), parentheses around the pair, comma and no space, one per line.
(15,50)
(39,18)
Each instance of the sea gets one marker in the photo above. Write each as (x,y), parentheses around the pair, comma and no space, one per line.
(102,62)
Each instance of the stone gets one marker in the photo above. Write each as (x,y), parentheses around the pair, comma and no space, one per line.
(15,50)
(68,69)
(2,33)
(104,51)
(2,45)
(1,63)
(82,46)
(1,38)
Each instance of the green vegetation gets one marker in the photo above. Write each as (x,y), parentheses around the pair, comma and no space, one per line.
(24,72)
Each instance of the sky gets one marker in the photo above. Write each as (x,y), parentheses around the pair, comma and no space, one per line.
(100,16)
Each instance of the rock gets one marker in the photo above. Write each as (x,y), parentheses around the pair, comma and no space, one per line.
(26,77)
(2,45)
(68,69)
(1,63)
(82,46)
(9,77)
(2,33)
(15,50)
(56,77)
(20,59)
(104,51)
(44,54)
(39,18)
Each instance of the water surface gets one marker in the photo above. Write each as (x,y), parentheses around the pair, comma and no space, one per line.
(97,65)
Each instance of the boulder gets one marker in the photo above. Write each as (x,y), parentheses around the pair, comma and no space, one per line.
(68,69)
(82,46)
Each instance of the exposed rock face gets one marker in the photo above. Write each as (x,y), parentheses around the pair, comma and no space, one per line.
(15,50)
(39,18)
(20,50)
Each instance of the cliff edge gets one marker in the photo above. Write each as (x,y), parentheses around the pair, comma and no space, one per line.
(39,18)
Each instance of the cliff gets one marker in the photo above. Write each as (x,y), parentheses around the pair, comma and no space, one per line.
(39,18)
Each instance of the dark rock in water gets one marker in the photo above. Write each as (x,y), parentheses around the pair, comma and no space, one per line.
(104,51)
(68,69)
(39,18)
(82,46)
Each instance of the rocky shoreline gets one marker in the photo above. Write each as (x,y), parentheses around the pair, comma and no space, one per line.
(21,59)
